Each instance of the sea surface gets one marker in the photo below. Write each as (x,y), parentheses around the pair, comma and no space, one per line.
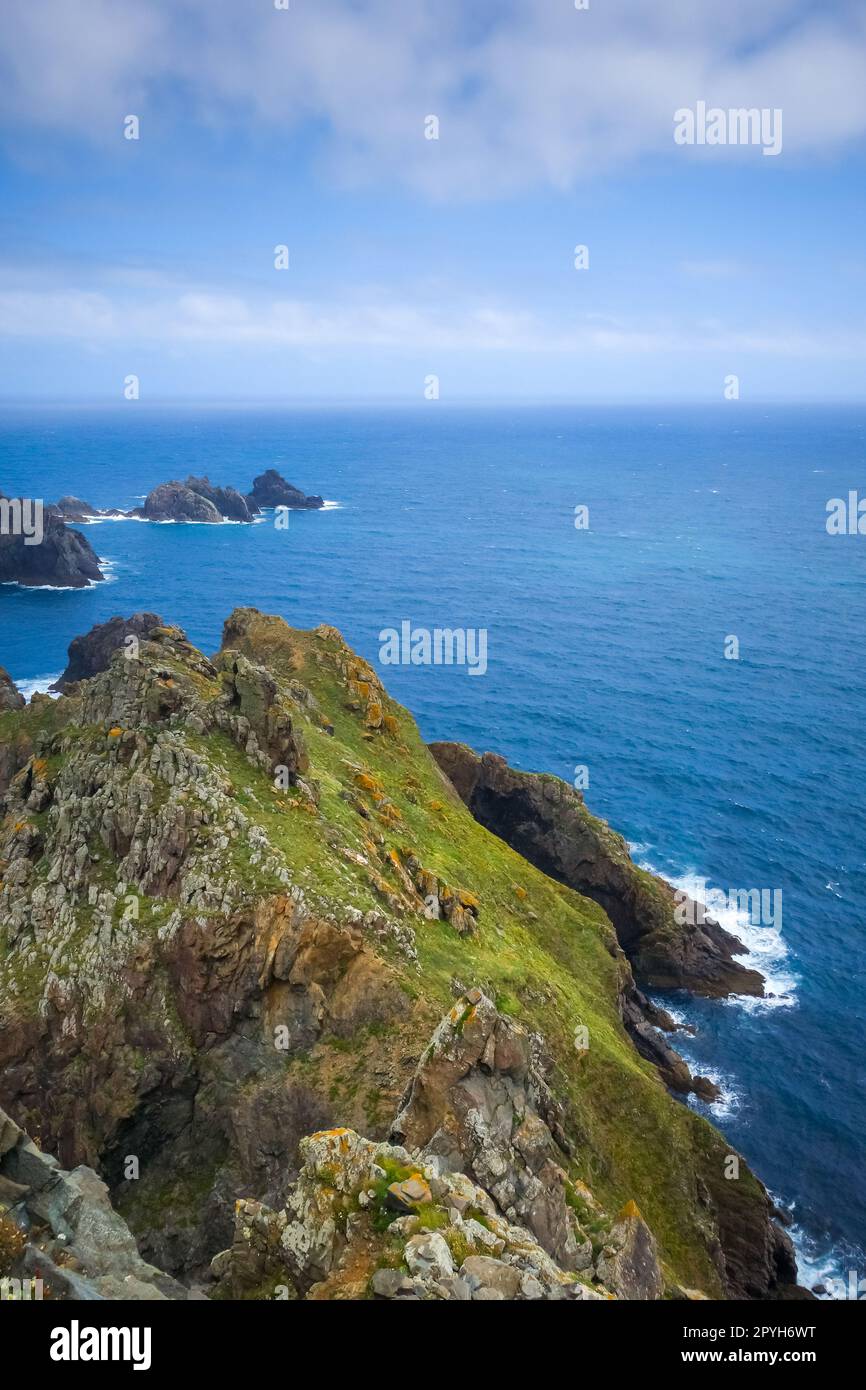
(605,650)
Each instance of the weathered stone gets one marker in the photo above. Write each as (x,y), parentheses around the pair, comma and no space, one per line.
(488,1277)
(629,1262)
(406,1196)
(428,1256)
(100,1258)
(390,1283)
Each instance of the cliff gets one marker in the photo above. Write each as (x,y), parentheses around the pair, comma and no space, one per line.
(547,822)
(241,906)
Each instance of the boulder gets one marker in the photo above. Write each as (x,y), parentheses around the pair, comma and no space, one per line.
(428,1256)
(85,1250)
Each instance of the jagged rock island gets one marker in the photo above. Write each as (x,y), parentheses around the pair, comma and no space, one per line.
(62,558)
(270,489)
(195,500)
(359,1046)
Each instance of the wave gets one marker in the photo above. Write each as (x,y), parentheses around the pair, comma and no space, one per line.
(104,520)
(834,1269)
(53,588)
(38,685)
(767,949)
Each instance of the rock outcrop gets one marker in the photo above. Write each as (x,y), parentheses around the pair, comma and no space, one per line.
(270,489)
(10,695)
(60,1228)
(343,1234)
(196,499)
(175,501)
(62,559)
(646,1025)
(479,1103)
(230,503)
(91,653)
(74,509)
(547,822)
(468,1200)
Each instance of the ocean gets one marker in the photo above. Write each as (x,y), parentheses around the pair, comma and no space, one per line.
(606,650)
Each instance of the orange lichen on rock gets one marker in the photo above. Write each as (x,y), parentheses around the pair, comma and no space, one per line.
(369,784)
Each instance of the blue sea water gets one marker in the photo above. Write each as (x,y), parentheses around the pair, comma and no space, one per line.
(605,649)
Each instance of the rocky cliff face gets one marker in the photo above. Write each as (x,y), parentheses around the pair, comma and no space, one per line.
(10,695)
(60,1228)
(237,898)
(230,504)
(91,653)
(62,559)
(547,822)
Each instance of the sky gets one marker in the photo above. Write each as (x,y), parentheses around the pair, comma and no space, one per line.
(410,257)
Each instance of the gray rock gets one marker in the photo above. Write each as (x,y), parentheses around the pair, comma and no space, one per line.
(428,1256)
(10,695)
(629,1262)
(482,1273)
(101,1258)
(390,1283)
(175,502)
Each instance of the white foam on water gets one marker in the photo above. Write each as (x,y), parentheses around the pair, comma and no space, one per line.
(39,685)
(105,520)
(51,588)
(838,1270)
(731,1098)
(766,946)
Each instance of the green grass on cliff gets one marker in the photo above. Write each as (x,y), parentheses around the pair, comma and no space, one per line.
(545,956)
(542,951)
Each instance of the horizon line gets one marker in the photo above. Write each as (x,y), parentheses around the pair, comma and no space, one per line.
(411,403)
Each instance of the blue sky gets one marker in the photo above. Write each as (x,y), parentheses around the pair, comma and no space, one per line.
(411,257)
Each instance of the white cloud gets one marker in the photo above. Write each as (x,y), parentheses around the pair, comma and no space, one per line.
(527,91)
(151,309)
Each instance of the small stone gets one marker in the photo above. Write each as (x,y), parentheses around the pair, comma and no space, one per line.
(407,1195)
